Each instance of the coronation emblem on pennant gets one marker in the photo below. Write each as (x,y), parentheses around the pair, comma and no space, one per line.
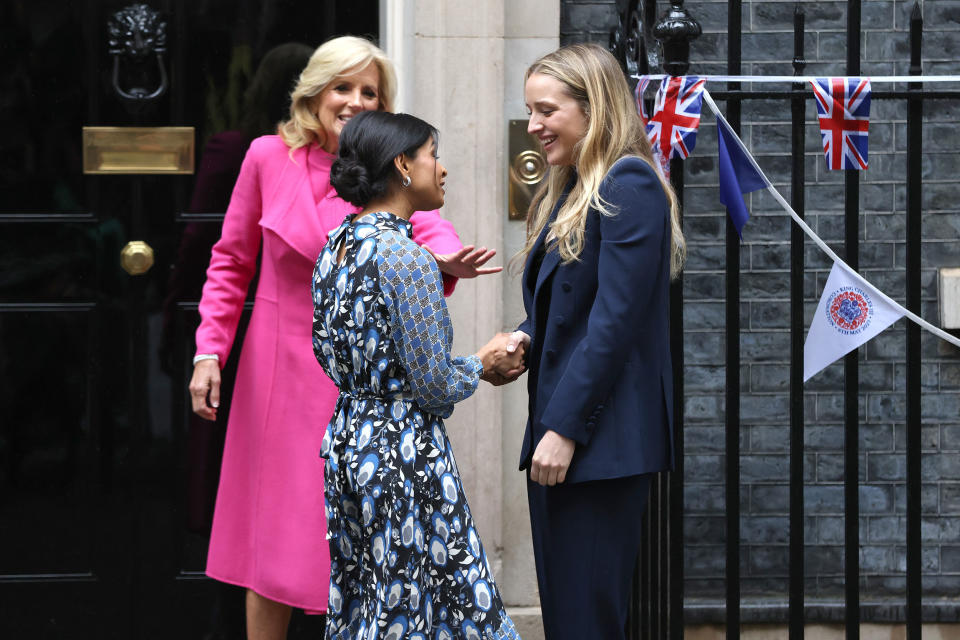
(849,310)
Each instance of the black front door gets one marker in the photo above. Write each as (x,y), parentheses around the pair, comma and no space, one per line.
(106,481)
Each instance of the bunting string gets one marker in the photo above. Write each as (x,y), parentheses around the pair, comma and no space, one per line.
(795,79)
(937,331)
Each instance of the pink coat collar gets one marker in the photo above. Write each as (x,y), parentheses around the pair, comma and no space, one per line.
(292,197)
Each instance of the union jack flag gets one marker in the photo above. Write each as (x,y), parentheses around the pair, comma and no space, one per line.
(672,128)
(843,105)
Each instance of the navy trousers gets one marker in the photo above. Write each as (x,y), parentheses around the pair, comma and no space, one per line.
(586,537)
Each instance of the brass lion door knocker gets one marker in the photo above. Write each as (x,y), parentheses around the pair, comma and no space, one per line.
(137,33)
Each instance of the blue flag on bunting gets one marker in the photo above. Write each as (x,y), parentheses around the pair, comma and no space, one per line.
(737,175)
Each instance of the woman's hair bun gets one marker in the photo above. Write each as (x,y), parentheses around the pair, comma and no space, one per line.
(351,179)
(369,143)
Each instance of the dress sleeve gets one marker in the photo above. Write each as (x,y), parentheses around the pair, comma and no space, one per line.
(233,262)
(420,327)
(430,229)
(632,249)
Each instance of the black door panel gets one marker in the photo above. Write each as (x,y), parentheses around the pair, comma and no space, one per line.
(107,481)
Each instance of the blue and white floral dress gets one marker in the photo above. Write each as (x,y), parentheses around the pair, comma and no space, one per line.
(405,557)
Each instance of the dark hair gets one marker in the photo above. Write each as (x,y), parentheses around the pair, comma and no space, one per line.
(368,144)
(267,100)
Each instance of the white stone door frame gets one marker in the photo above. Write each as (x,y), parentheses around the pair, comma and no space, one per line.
(396,21)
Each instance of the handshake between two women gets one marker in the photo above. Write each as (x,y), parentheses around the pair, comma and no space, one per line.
(504,357)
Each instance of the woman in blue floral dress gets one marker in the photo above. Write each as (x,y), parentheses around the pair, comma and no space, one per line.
(406,559)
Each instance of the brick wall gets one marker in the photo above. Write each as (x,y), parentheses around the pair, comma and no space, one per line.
(768,49)
(587,20)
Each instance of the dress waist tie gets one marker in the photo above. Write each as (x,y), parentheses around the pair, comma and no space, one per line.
(335,443)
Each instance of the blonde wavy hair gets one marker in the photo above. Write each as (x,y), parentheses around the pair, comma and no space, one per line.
(592,77)
(330,61)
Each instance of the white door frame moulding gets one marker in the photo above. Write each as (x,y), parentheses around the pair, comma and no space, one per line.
(396,34)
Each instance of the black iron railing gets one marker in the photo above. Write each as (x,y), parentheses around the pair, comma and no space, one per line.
(657,610)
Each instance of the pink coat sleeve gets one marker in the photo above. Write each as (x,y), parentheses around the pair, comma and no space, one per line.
(233,262)
(430,229)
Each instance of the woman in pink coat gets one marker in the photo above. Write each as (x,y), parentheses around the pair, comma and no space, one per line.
(269,526)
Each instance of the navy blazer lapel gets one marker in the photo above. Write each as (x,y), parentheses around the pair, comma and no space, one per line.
(550,261)
(533,251)
(551,258)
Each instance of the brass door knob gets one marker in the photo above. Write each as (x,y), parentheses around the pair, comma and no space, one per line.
(136,257)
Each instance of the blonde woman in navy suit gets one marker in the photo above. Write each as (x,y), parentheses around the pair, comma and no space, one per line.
(603,241)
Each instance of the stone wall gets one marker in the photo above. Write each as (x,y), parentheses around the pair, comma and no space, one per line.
(764,259)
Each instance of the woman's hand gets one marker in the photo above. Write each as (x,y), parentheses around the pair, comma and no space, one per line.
(501,366)
(465,263)
(205,381)
(551,459)
(518,338)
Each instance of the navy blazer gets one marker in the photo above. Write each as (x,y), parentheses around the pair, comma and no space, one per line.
(599,359)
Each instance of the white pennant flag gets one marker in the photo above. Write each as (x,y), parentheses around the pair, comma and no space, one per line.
(851,311)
